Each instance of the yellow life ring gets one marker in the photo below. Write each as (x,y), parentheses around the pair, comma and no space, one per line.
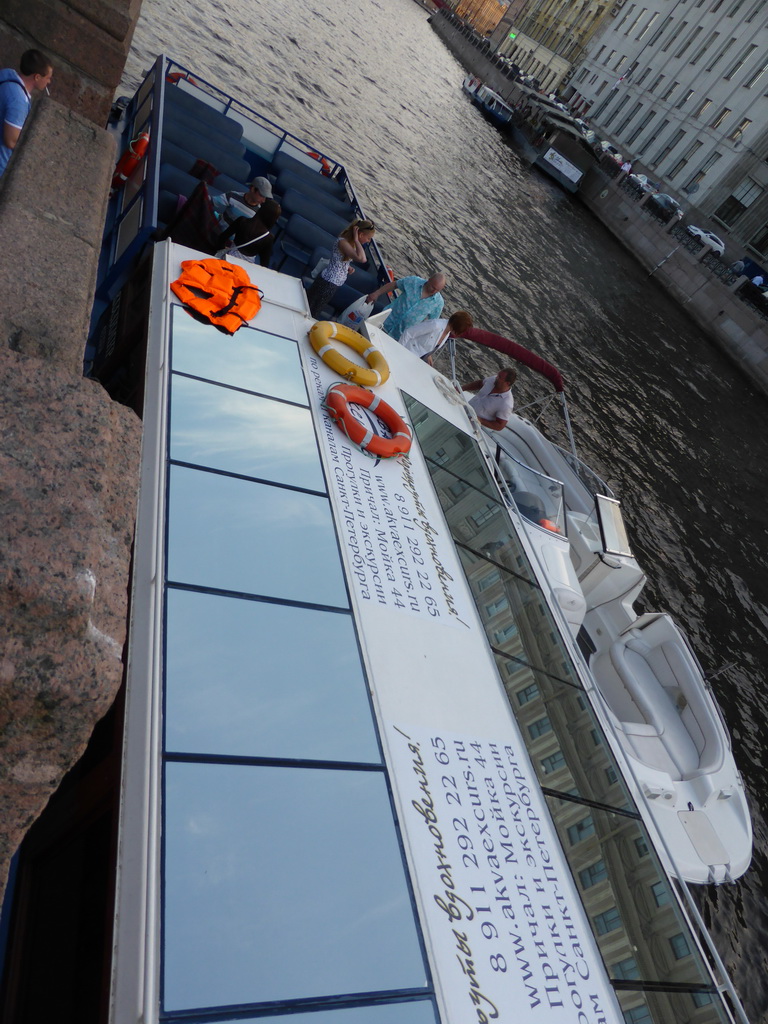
(320,337)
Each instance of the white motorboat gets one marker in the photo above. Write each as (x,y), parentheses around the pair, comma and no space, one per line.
(649,686)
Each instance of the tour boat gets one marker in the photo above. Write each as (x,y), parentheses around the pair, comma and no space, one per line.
(487,100)
(365,777)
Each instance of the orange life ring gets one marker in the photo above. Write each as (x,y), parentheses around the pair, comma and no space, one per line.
(325,164)
(177,76)
(337,401)
(130,160)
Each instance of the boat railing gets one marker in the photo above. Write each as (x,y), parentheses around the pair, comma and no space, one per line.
(133,216)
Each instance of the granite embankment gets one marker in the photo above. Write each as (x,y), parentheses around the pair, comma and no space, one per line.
(69,454)
(717,310)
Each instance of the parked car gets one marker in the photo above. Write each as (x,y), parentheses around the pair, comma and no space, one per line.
(707,238)
(664,207)
(612,152)
(643,183)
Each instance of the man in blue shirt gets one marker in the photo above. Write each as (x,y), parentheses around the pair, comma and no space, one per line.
(16,88)
(419,299)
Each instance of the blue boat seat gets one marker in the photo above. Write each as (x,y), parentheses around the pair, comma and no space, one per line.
(227,160)
(184,105)
(287,180)
(177,124)
(294,248)
(182,157)
(295,202)
(285,162)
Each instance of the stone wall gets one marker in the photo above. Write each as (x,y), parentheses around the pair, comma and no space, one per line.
(87,41)
(68,464)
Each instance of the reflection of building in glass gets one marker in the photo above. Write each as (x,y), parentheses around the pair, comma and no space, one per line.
(640,928)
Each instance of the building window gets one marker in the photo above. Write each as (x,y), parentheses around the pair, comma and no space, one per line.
(720,117)
(597,739)
(485,514)
(660,893)
(611,776)
(643,77)
(527,694)
(704,47)
(657,81)
(739,200)
(736,8)
(706,166)
(593,874)
(619,62)
(683,161)
(701,998)
(707,103)
(660,30)
(610,920)
(539,728)
(490,578)
(722,53)
(496,606)
(652,137)
(625,970)
(669,146)
(674,36)
(553,762)
(756,75)
(760,240)
(638,1015)
(670,90)
(633,26)
(741,61)
(753,13)
(631,8)
(649,23)
(643,124)
(740,128)
(641,846)
(680,947)
(628,118)
(605,62)
(600,88)
(684,100)
(688,41)
(581,830)
(501,635)
(616,110)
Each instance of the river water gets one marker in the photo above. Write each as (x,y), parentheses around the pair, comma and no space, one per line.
(657,410)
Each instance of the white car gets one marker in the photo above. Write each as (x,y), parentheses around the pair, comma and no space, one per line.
(707,238)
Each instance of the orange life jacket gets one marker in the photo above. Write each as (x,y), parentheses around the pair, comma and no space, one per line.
(221,292)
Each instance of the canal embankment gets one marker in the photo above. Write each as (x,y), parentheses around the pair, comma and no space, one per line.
(711,300)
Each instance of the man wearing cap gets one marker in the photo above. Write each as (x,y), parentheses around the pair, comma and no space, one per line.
(16,88)
(259,190)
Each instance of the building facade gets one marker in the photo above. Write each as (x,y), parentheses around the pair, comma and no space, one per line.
(681,88)
(547,37)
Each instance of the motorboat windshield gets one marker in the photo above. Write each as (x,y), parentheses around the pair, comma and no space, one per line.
(539,498)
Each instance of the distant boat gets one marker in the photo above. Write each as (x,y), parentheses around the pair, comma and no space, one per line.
(489,101)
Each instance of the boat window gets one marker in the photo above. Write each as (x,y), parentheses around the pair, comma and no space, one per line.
(246,360)
(243,434)
(644,941)
(216,539)
(624,915)
(278,825)
(263,864)
(421,1012)
(250,679)
(538,498)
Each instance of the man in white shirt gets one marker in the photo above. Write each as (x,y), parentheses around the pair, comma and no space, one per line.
(493,402)
(428,337)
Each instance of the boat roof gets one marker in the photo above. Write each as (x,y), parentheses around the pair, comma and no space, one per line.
(362,779)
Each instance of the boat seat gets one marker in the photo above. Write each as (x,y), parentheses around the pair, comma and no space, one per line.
(288,179)
(294,247)
(294,202)
(183,105)
(283,161)
(188,123)
(227,160)
(664,685)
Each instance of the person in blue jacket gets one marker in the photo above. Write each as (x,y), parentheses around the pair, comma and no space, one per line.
(16,88)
